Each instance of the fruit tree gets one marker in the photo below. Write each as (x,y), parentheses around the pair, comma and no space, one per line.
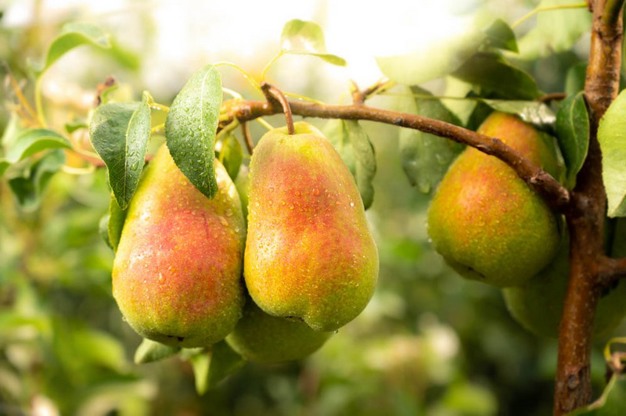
(238,226)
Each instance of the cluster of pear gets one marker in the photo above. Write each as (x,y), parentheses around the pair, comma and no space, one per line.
(190,271)
(490,226)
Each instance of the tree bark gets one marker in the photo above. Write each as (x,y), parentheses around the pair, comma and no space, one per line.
(586,216)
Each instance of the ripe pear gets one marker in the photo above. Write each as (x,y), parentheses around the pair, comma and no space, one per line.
(309,253)
(263,338)
(177,269)
(485,221)
(538,305)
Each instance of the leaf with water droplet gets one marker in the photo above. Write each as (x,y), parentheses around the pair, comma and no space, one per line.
(425,157)
(120,133)
(191,125)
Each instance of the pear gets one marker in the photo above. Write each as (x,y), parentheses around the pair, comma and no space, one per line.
(309,252)
(262,338)
(177,269)
(538,305)
(485,221)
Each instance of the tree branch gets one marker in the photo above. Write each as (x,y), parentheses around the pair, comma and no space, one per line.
(543,183)
(589,265)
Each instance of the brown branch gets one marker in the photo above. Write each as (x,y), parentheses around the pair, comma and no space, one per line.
(543,183)
(274,95)
(585,218)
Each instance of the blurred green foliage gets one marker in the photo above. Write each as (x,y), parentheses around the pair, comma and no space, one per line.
(428,344)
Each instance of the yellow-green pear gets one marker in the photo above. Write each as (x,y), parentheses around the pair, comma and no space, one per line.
(263,338)
(177,269)
(485,221)
(538,304)
(309,252)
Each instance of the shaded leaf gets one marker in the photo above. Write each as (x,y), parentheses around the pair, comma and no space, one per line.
(120,134)
(224,362)
(501,36)
(306,38)
(29,187)
(436,60)
(200,363)
(31,141)
(425,157)
(72,35)
(612,138)
(150,351)
(356,150)
(572,129)
(191,125)
(493,74)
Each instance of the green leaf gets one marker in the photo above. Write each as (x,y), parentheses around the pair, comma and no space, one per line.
(120,134)
(212,366)
(4,165)
(356,150)
(612,138)
(501,36)
(201,363)
(436,60)
(32,141)
(231,155)
(306,38)
(612,402)
(425,157)
(493,74)
(72,35)
(150,351)
(555,30)
(224,362)
(572,130)
(115,223)
(575,78)
(191,125)
(29,187)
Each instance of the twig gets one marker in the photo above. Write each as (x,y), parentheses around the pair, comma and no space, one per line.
(247,137)
(273,94)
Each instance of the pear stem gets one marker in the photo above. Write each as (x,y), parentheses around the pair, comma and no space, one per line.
(273,94)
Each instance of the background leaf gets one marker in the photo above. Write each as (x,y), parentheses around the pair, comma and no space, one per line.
(611,403)
(150,351)
(31,141)
(357,152)
(494,75)
(612,138)
(306,38)
(120,134)
(29,187)
(501,36)
(572,128)
(425,157)
(191,125)
(72,35)
(555,30)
